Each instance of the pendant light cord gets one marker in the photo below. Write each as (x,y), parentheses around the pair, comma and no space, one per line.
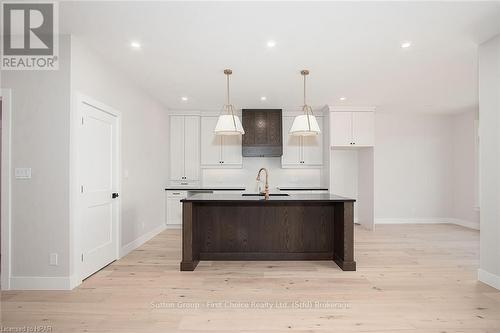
(304,89)
(306,107)
(227,89)
(228,107)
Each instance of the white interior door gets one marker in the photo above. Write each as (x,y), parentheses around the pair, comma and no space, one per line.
(98,165)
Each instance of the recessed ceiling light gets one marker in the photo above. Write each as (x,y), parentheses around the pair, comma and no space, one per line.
(135,45)
(263,98)
(184,98)
(342,98)
(271,43)
(405,45)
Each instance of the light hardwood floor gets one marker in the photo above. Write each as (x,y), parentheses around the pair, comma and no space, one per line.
(410,278)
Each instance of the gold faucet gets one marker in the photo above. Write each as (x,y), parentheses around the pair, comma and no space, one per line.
(266,188)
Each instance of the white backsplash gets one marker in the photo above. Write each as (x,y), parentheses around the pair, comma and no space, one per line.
(251,165)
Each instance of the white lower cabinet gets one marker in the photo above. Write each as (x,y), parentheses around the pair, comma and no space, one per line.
(174,207)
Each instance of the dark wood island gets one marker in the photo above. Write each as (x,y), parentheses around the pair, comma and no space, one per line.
(295,227)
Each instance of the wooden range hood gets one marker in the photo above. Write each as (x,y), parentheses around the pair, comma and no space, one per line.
(263,133)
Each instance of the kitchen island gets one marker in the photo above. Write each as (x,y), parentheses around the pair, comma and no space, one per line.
(284,227)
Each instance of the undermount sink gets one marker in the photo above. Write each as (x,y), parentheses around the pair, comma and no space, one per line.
(262,194)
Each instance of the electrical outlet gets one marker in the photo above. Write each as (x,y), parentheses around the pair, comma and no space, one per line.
(53,259)
(142,225)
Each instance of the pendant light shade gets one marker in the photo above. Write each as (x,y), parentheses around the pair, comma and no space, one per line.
(228,123)
(305,124)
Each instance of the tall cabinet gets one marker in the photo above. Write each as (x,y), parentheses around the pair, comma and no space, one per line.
(352,141)
(184,149)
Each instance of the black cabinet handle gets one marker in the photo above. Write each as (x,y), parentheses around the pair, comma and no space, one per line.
(115,195)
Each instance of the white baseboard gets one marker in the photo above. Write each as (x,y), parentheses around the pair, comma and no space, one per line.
(174,226)
(488,278)
(40,283)
(141,240)
(464,223)
(428,220)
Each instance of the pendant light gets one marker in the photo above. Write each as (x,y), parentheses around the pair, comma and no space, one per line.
(228,123)
(305,124)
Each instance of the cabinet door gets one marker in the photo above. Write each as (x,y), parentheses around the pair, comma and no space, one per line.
(174,210)
(176,147)
(231,150)
(341,128)
(363,128)
(210,143)
(292,155)
(192,147)
(312,147)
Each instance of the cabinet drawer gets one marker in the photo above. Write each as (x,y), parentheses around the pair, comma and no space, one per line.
(177,194)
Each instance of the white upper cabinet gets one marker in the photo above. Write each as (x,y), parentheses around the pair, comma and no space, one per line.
(301,151)
(219,150)
(352,128)
(363,129)
(176,148)
(185,148)
(341,128)
(210,143)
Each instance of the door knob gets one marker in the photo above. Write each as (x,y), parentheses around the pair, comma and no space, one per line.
(115,195)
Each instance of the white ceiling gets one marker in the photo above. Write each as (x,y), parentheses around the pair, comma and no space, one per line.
(351,48)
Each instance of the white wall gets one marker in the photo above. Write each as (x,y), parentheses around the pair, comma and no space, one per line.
(145,140)
(465,181)
(41,103)
(413,164)
(40,140)
(246,176)
(489,132)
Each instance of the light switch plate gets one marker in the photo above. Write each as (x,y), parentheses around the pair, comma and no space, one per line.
(23,173)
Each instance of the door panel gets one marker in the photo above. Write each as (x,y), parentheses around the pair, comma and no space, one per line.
(98,175)
(312,147)
(174,211)
(210,143)
(231,150)
(176,147)
(192,147)
(363,128)
(341,128)
(291,145)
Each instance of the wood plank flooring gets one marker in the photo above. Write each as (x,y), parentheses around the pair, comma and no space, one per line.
(410,278)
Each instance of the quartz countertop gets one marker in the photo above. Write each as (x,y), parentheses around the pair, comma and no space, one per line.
(302,188)
(203,188)
(319,197)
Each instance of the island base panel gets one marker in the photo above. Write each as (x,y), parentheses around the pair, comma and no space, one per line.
(267,231)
